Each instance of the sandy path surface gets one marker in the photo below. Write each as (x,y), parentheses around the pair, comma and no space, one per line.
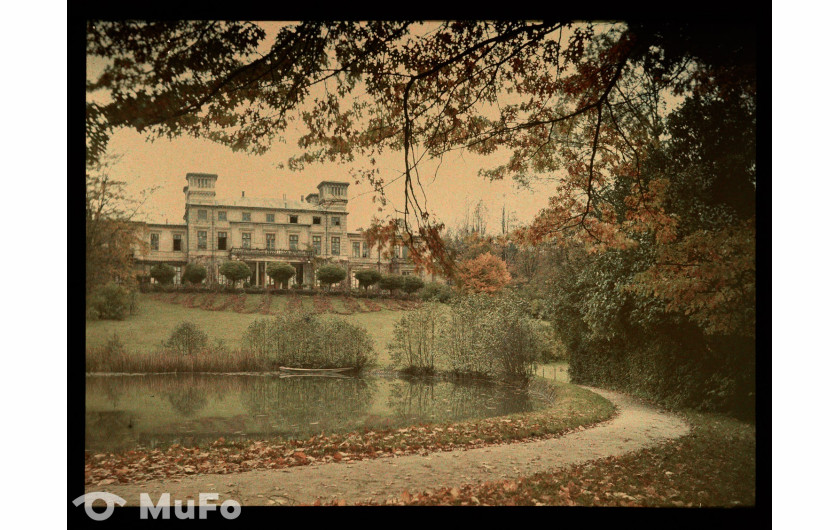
(635,426)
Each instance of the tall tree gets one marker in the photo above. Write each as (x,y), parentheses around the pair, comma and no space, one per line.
(111,233)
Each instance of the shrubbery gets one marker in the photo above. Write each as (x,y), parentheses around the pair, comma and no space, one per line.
(186,339)
(618,339)
(281,273)
(301,340)
(391,282)
(194,273)
(411,284)
(330,274)
(235,271)
(477,335)
(367,277)
(436,292)
(111,302)
(163,273)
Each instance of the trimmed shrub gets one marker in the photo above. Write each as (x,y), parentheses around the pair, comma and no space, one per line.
(281,273)
(186,339)
(412,284)
(391,282)
(305,340)
(330,274)
(111,302)
(367,277)
(163,273)
(194,273)
(235,271)
(436,292)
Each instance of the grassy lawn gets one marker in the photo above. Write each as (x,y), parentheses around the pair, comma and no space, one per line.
(155,319)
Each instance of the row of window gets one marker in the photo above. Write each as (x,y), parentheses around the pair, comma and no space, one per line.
(269,218)
(360,249)
(203,183)
(337,190)
(154,242)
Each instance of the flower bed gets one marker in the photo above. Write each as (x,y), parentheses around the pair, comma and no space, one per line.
(322,304)
(209,301)
(371,304)
(574,409)
(295,304)
(265,305)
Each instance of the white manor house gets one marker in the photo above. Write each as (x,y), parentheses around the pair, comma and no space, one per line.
(260,231)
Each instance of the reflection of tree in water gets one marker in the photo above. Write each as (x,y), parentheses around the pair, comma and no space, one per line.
(301,401)
(188,401)
(424,399)
(111,387)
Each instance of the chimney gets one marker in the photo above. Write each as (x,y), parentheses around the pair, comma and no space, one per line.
(243,194)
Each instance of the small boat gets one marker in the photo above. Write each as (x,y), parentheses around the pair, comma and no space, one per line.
(316,370)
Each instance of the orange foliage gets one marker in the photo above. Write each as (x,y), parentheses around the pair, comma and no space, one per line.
(486,274)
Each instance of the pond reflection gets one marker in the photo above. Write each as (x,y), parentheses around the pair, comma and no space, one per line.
(130,412)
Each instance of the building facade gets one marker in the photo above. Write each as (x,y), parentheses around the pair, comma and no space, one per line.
(259,231)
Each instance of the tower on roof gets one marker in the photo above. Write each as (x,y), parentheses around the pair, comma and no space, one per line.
(333,194)
(200,188)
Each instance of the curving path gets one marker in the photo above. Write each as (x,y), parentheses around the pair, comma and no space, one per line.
(635,426)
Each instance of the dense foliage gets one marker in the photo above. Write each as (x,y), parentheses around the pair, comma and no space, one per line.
(476,335)
(301,340)
(186,339)
(281,273)
(194,273)
(330,274)
(436,292)
(367,277)
(412,284)
(111,302)
(163,273)
(484,274)
(391,282)
(235,271)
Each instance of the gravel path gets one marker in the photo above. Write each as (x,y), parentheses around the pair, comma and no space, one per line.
(636,426)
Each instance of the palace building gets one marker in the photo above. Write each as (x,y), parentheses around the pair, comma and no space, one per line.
(259,231)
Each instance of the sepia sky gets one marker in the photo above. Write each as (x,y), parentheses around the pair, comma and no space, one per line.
(452,186)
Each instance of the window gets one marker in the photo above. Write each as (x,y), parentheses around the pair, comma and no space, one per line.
(293,242)
(178,274)
(202,240)
(176,242)
(246,216)
(336,221)
(202,215)
(365,252)
(406,273)
(269,218)
(222,241)
(316,220)
(222,216)
(356,246)
(269,241)
(336,246)
(316,245)
(405,252)
(293,219)
(155,241)
(246,240)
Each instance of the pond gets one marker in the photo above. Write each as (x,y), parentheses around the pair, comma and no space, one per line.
(155,411)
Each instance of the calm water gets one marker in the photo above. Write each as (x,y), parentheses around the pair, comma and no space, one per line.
(130,412)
